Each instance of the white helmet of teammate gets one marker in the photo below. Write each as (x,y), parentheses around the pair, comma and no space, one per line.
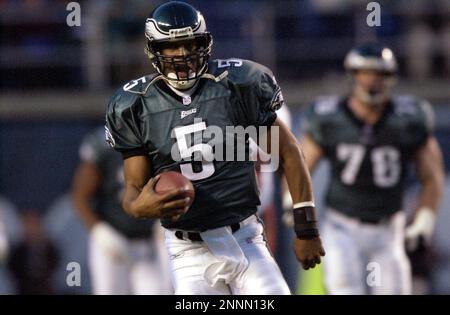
(372,57)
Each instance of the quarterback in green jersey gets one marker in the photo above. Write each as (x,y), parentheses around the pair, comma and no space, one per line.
(370,137)
(184,118)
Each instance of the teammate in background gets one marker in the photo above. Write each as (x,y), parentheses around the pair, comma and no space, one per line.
(126,255)
(370,137)
(217,247)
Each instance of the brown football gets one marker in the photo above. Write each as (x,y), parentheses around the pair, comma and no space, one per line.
(174,180)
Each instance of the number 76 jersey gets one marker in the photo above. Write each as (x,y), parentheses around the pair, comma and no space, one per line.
(369,163)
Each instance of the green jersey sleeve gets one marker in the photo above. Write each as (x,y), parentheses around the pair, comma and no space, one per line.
(418,118)
(262,97)
(260,93)
(122,123)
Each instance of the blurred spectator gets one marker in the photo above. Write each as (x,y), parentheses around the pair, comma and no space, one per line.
(33,261)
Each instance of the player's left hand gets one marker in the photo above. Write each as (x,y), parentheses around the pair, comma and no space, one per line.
(421,229)
(308,252)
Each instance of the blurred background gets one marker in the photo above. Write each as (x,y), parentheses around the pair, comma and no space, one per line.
(55,81)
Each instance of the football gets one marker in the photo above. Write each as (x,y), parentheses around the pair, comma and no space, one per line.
(174,180)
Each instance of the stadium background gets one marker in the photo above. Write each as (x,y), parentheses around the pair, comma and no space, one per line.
(55,81)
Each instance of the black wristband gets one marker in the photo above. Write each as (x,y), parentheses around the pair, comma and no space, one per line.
(305,223)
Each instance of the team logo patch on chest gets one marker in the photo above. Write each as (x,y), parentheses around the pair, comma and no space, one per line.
(185,113)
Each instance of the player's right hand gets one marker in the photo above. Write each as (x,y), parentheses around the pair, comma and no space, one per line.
(150,204)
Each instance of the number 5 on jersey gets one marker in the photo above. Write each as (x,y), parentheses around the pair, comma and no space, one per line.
(187,152)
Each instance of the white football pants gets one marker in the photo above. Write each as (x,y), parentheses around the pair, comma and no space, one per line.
(365,258)
(145,272)
(225,263)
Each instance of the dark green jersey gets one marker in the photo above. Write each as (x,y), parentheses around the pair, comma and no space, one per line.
(107,201)
(368,162)
(145,117)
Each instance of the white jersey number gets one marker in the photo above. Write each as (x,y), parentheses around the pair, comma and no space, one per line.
(133,83)
(386,166)
(354,155)
(187,152)
(232,62)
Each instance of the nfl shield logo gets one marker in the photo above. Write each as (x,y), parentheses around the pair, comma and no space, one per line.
(187,100)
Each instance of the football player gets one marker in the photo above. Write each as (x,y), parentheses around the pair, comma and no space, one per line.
(176,120)
(370,137)
(126,256)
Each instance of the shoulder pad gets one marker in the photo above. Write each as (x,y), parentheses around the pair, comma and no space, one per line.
(130,92)
(127,95)
(240,71)
(414,109)
(121,101)
(405,105)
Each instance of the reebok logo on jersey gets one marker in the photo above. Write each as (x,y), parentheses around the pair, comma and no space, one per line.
(185,113)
